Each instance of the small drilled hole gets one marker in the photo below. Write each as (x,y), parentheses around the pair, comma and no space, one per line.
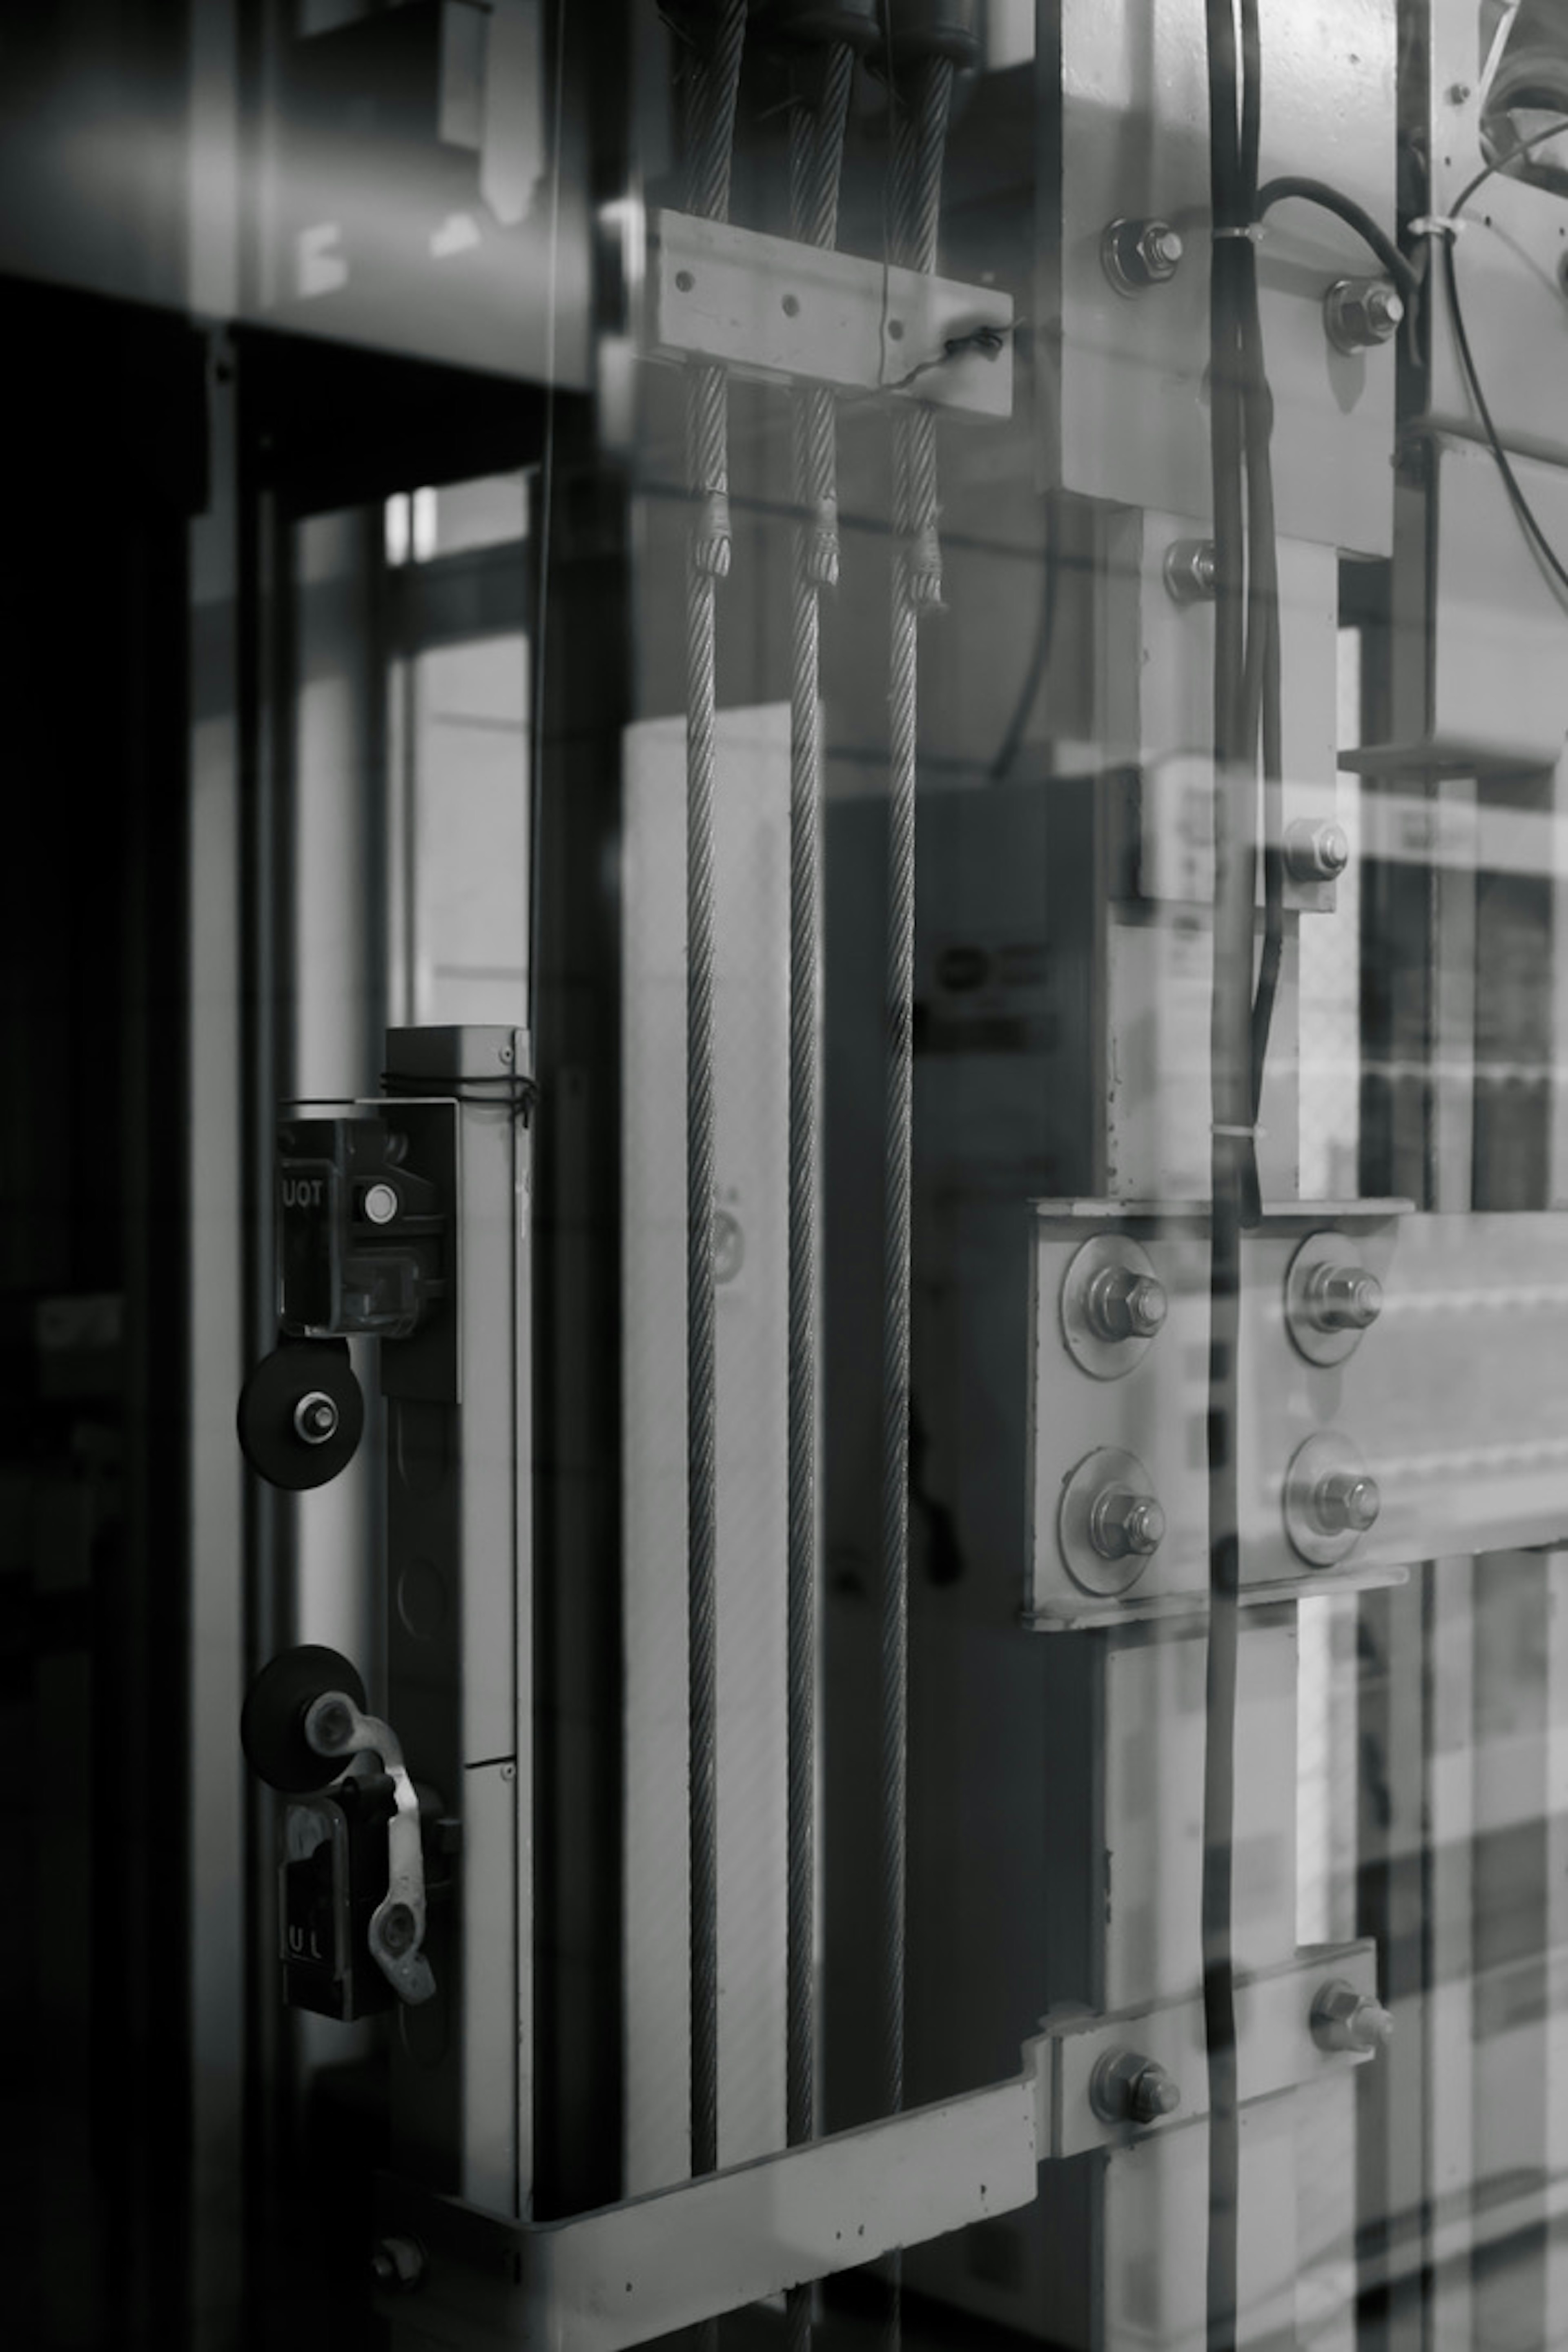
(684,281)
(790,306)
(895,330)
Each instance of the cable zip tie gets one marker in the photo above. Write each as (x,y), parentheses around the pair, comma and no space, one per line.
(1447,224)
(1246,1134)
(1253,231)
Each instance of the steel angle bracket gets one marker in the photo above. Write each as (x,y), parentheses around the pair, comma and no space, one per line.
(765,306)
(628,2273)
(1276,2047)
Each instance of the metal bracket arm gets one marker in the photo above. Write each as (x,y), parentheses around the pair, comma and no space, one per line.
(796,314)
(628,2273)
(605,2281)
(1276,2048)
(336,1728)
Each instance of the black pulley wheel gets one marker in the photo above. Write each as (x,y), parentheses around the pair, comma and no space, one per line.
(301,1414)
(272,1720)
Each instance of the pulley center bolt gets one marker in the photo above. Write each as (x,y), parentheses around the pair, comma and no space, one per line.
(1123,1305)
(316,1418)
(1128,2088)
(1344,2019)
(1121,1522)
(1138,254)
(1316,852)
(1342,1298)
(397,2264)
(1346,1502)
(331,1726)
(1360,312)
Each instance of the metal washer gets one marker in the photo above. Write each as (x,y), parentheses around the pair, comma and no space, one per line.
(1102,1359)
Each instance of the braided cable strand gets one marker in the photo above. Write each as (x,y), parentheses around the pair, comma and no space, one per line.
(816,158)
(919,130)
(710,123)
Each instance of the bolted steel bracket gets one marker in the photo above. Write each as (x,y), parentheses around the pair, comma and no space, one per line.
(1106,2078)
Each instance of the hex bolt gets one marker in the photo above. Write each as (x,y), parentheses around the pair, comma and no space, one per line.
(1123,1523)
(331,1726)
(1342,1298)
(1345,1502)
(316,1418)
(398,1928)
(1359,313)
(1344,2019)
(397,2264)
(1121,1304)
(380,1203)
(1126,2087)
(1190,571)
(1138,254)
(1316,852)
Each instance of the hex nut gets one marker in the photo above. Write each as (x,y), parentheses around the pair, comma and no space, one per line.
(1342,1297)
(1122,1304)
(1126,2087)
(1344,2019)
(1346,1502)
(1359,313)
(1191,571)
(1316,850)
(397,2264)
(1138,254)
(1123,1523)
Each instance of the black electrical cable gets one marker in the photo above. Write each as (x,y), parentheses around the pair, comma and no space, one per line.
(1529,521)
(1345,208)
(1232,282)
(1007,749)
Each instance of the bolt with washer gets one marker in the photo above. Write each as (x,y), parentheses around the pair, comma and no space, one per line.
(1341,1299)
(1122,1304)
(1128,2088)
(1124,1524)
(316,1418)
(1139,254)
(1359,313)
(1346,1502)
(1316,851)
(1344,2019)
(1191,571)
(398,1930)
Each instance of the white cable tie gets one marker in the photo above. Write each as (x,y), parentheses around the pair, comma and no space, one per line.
(1253,231)
(1247,1134)
(1436,224)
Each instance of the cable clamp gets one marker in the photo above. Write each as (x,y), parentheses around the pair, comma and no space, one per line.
(1436,224)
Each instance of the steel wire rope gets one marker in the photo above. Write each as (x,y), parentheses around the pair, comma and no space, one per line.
(1232,189)
(919,125)
(712,89)
(817,151)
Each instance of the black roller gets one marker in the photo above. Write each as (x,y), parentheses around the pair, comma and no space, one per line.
(301,1414)
(272,1720)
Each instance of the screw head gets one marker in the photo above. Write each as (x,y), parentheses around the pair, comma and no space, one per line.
(1138,254)
(1126,2087)
(1122,1304)
(1190,571)
(397,2264)
(1316,852)
(1344,2019)
(380,1203)
(1343,1298)
(1360,312)
(316,1418)
(331,1726)
(1346,1502)
(1161,248)
(1121,1523)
